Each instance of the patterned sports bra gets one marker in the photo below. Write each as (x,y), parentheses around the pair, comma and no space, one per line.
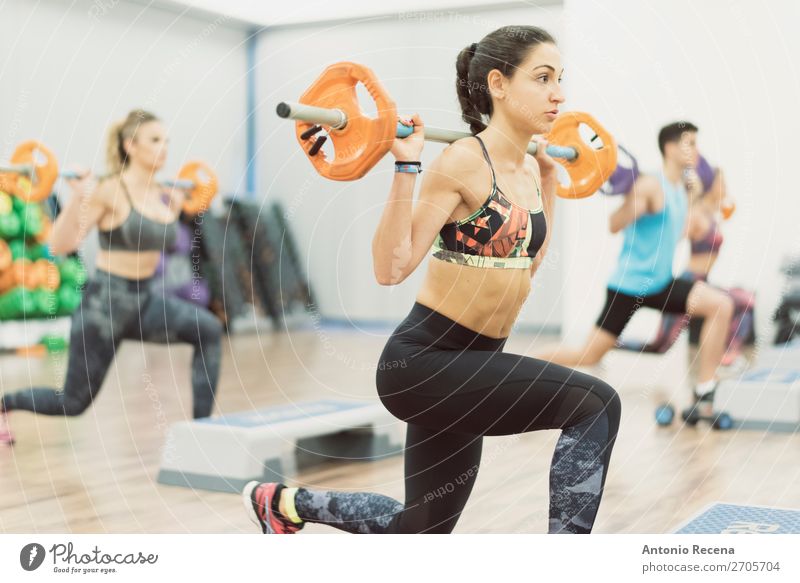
(711,241)
(500,234)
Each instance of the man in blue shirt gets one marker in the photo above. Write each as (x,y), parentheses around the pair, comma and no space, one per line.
(653,220)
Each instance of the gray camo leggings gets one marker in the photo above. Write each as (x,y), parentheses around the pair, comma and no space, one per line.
(114,309)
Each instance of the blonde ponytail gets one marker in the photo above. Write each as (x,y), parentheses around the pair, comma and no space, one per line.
(116,156)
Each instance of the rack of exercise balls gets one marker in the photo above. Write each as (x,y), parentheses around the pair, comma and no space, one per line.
(34,284)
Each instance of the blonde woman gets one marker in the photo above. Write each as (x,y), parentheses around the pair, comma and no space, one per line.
(134,225)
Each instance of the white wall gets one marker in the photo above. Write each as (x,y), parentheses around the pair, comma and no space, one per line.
(414,56)
(729,66)
(71,68)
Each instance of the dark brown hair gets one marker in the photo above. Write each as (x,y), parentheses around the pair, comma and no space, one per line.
(504,50)
(673,133)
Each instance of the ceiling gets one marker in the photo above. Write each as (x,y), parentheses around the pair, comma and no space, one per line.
(273,13)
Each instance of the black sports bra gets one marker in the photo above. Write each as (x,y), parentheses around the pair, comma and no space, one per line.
(500,234)
(138,233)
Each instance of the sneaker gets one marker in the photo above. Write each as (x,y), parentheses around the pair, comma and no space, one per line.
(6,437)
(257,498)
(704,404)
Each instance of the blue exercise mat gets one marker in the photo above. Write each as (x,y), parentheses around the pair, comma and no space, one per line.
(735,519)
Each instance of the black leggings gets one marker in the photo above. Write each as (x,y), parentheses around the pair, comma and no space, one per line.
(114,309)
(453,386)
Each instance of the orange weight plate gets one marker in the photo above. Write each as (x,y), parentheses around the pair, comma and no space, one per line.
(593,166)
(205,186)
(364,140)
(46,169)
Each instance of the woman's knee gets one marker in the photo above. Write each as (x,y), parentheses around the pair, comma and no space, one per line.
(604,400)
(613,411)
(76,406)
(706,301)
(727,307)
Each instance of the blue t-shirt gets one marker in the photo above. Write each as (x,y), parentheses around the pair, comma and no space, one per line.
(645,262)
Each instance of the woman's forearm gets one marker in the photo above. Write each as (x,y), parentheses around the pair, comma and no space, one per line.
(391,245)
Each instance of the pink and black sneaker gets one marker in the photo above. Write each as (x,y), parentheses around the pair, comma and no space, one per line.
(6,437)
(258,502)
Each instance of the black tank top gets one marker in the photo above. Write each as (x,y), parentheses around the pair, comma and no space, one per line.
(137,232)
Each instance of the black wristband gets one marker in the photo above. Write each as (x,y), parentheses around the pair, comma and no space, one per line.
(398,162)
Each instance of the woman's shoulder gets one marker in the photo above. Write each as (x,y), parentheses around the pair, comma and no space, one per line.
(459,158)
(107,185)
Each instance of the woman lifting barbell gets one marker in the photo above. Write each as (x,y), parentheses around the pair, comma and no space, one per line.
(484,206)
(118,303)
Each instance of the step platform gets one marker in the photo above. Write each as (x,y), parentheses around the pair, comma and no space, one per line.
(272,444)
(721,518)
(780,356)
(763,398)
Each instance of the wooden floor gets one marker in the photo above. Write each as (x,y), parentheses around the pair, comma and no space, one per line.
(96,473)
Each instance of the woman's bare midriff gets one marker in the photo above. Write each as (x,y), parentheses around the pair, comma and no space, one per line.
(128,264)
(486,301)
(702,262)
